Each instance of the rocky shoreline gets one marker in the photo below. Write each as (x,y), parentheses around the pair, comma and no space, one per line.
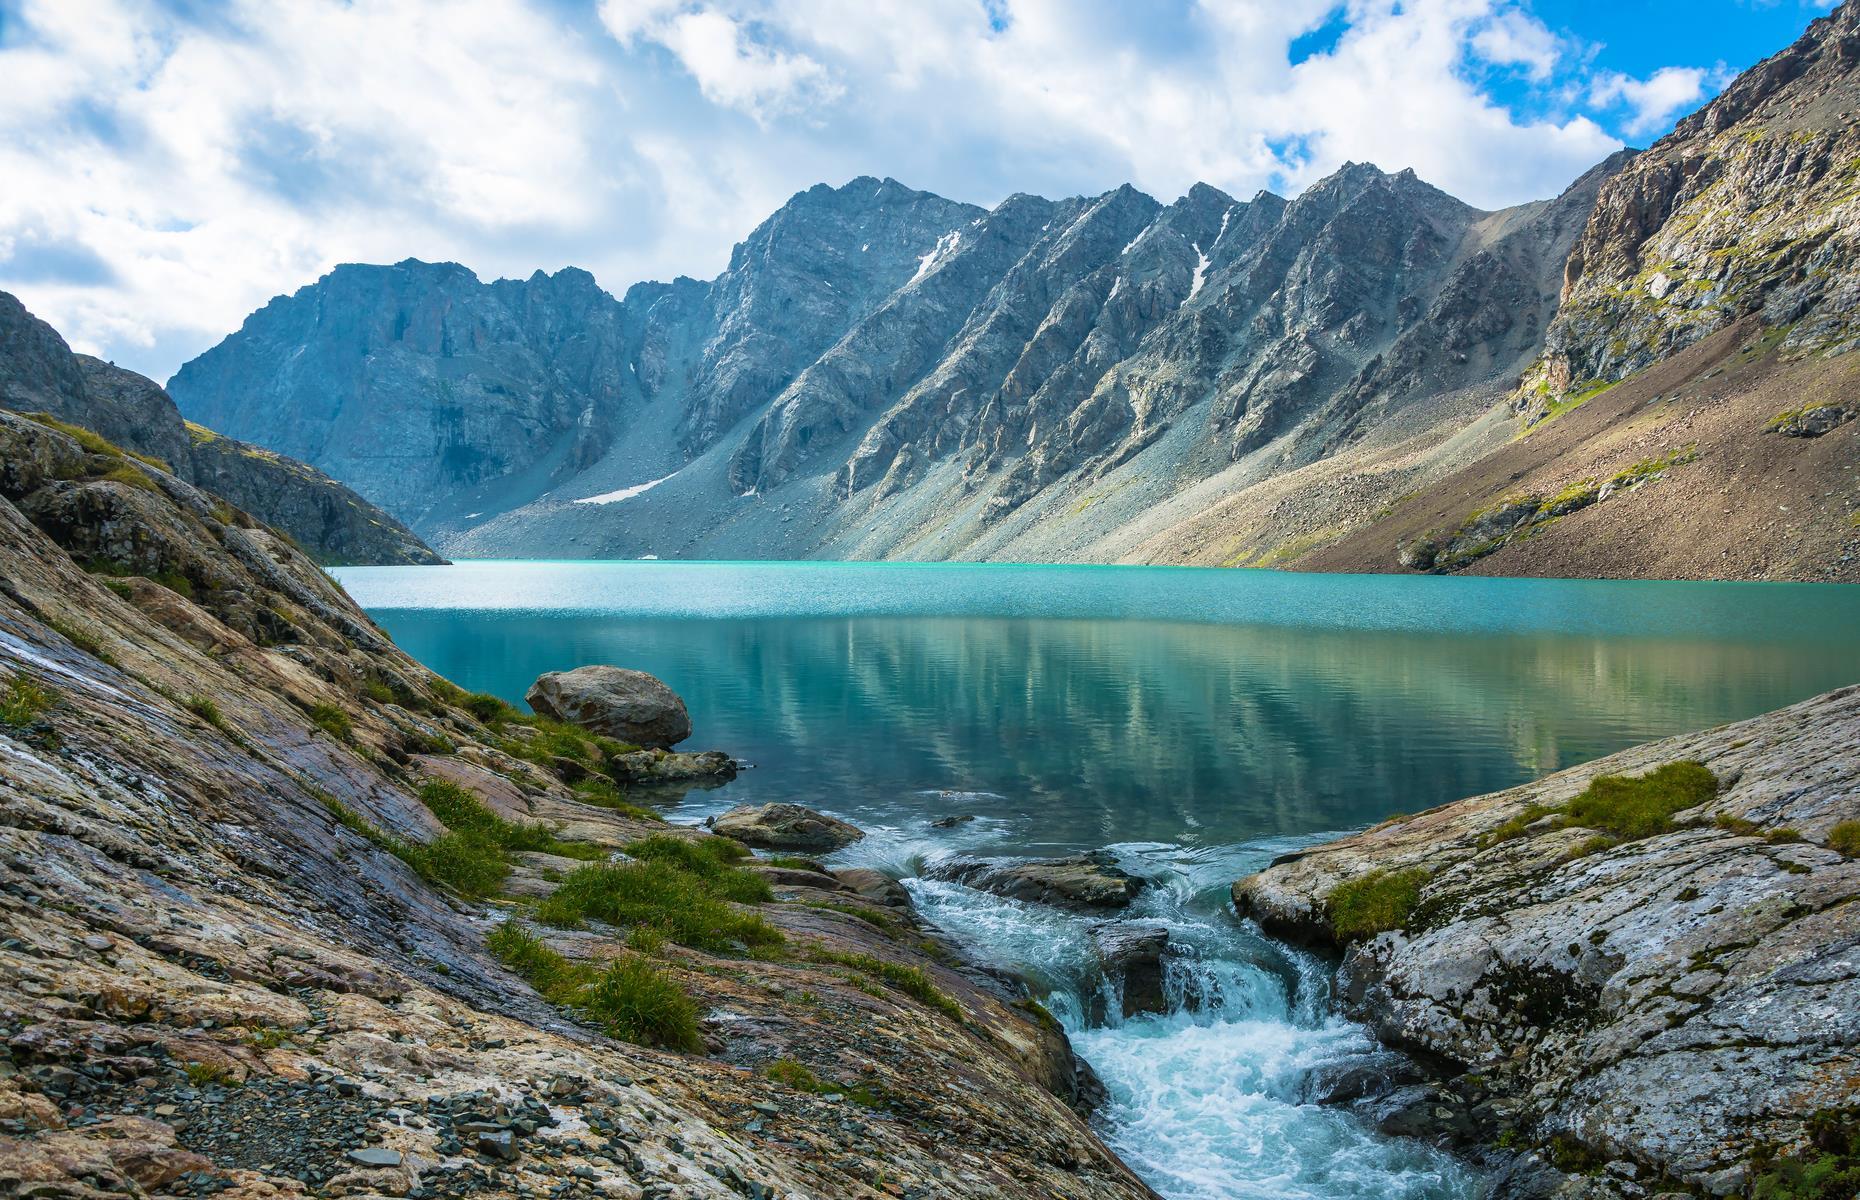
(1633,978)
(283,913)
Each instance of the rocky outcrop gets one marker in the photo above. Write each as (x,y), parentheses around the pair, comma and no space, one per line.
(39,373)
(630,706)
(1648,995)
(785,827)
(1748,206)
(1080,881)
(248,870)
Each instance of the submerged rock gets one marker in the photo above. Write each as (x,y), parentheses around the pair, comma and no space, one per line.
(631,706)
(1079,881)
(785,827)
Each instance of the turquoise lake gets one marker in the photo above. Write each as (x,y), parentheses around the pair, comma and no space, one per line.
(1082,705)
(1194,722)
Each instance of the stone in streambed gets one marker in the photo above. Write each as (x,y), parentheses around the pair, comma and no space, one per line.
(1078,881)
(631,706)
(875,886)
(1132,951)
(785,827)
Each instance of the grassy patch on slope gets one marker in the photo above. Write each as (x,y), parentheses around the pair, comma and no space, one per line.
(631,997)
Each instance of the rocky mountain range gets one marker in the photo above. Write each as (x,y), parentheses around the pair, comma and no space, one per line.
(882,373)
(40,374)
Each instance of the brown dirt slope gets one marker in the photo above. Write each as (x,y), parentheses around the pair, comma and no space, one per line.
(1753,504)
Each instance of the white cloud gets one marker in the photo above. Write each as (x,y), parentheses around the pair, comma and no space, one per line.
(166,174)
(1651,103)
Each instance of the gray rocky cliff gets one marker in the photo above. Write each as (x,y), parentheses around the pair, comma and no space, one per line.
(39,373)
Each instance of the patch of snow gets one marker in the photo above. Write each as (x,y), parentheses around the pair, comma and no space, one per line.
(1201,274)
(648,558)
(473,516)
(625,493)
(1132,244)
(945,246)
(865,247)
(1115,288)
(1225,217)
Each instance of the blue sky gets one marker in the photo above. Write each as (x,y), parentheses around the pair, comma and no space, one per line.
(171,166)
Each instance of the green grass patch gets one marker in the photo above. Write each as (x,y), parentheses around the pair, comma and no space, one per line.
(23,701)
(1374,903)
(604,793)
(788,1072)
(377,691)
(630,998)
(202,1074)
(912,981)
(795,862)
(469,866)
(466,815)
(682,906)
(131,476)
(710,859)
(1632,807)
(1844,839)
(333,721)
(1622,808)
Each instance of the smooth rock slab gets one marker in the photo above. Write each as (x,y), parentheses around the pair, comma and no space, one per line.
(629,705)
(785,827)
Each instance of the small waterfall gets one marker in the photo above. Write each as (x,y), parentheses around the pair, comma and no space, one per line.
(1208,1100)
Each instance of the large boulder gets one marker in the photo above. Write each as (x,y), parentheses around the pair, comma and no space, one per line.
(785,827)
(1078,881)
(631,706)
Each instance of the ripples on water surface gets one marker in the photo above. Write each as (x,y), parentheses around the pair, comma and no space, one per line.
(1199,722)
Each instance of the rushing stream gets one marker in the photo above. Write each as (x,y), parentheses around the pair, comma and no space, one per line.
(1198,723)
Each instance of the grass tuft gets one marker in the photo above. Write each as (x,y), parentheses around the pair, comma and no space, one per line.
(333,721)
(631,998)
(204,708)
(1641,806)
(689,907)
(23,701)
(1374,903)
(603,793)
(1844,839)
(912,981)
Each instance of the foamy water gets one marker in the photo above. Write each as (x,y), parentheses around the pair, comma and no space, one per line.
(1210,1100)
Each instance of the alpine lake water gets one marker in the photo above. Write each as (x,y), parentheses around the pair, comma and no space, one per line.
(1196,722)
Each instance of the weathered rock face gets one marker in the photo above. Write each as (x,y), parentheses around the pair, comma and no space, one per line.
(785,827)
(670,766)
(1675,1007)
(1748,206)
(1079,881)
(220,971)
(629,705)
(39,373)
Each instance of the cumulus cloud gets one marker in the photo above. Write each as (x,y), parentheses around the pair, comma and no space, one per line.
(171,167)
(1653,102)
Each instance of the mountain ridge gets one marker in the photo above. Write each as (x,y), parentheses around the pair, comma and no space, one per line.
(883,373)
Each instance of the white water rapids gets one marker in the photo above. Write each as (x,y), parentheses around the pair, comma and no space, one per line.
(1212,1100)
